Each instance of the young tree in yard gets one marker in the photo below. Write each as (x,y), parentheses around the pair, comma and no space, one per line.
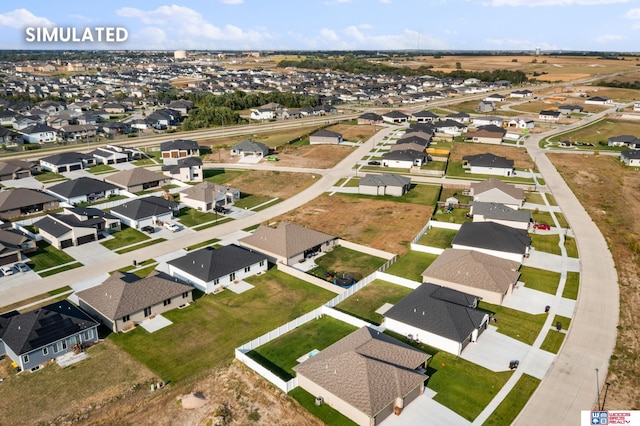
(458,66)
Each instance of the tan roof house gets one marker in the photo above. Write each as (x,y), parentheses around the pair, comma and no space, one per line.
(138,179)
(288,243)
(125,300)
(489,277)
(24,201)
(366,376)
(494,190)
(206,196)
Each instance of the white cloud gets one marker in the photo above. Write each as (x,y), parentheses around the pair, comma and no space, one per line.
(633,14)
(352,38)
(232,1)
(507,43)
(185,26)
(21,18)
(609,37)
(385,1)
(534,3)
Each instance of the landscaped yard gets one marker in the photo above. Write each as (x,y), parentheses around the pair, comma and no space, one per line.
(101,168)
(438,237)
(454,216)
(517,324)
(210,242)
(411,265)
(456,193)
(279,355)
(364,303)
(221,176)
(250,201)
(47,256)
(206,333)
(45,177)
(341,259)
(140,245)
(540,279)
(324,412)
(571,286)
(190,217)
(571,247)
(552,341)
(125,237)
(513,403)
(547,243)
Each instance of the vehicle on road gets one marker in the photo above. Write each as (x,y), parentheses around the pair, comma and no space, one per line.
(374,163)
(148,229)
(7,270)
(171,226)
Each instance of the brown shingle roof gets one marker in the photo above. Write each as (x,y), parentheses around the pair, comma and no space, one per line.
(23,197)
(136,176)
(480,187)
(288,239)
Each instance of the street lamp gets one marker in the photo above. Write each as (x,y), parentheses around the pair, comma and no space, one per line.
(605,396)
(598,388)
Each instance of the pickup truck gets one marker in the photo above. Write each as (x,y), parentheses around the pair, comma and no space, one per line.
(542,226)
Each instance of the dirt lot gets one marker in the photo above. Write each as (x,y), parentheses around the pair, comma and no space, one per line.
(611,195)
(354,133)
(385,225)
(312,156)
(519,156)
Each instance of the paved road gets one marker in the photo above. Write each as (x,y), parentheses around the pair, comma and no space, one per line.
(325,181)
(571,384)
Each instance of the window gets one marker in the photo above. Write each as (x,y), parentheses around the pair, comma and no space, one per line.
(147,311)
(232,276)
(216,281)
(45,351)
(60,346)
(88,335)
(126,318)
(262,263)
(25,358)
(247,269)
(166,302)
(185,294)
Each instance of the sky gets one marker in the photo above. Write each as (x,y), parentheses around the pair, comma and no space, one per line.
(551,25)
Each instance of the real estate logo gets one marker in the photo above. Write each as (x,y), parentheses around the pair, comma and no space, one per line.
(76,35)
(599,417)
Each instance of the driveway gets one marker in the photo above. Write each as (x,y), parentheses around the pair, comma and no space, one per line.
(551,262)
(495,350)
(425,411)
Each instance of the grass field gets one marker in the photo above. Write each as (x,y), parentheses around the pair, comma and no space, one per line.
(540,279)
(125,237)
(510,407)
(438,237)
(324,412)
(600,131)
(366,301)
(411,265)
(517,324)
(47,256)
(191,217)
(571,247)
(571,286)
(547,243)
(206,333)
(552,341)
(341,259)
(426,195)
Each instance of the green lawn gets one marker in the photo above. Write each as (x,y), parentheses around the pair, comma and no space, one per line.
(571,247)
(566,321)
(49,177)
(514,402)
(552,341)
(438,237)
(540,279)
(221,175)
(571,286)
(426,195)
(220,221)
(542,217)
(341,259)
(455,216)
(140,245)
(364,303)
(534,197)
(547,243)
(203,244)
(60,269)
(562,221)
(324,412)
(516,324)
(551,200)
(125,237)
(348,183)
(206,333)
(47,256)
(101,168)
(249,201)
(279,355)
(191,217)
(455,169)
(454,192)
(411,265)
(435,165)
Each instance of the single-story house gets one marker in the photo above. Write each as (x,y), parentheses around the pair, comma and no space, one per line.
(17,169)
(13,244)
(147,211)
(425,116)
(77,131)
(113,154)
(522,123)
(385,184)
(450,127)
(249,147)
(24,201)
(494,190)
(9,138)
(370,118)
(636,106)
(630,158)
(488,164)
(489,277)
(499,213)
(570,109)
(213,269)
(186,170)
(441,317)
(490,134)
(288,242)
(521,94)
(67,162)
(76,226)
(404,158)
(493,239)
(624,140)
(124,300)
(599,100)
(177,149)
(83,190)
(485,106)
(39,133)
(366,376)
(206,196)
(325,136)
(395,117)
(487,120)
(138,179)
(418,138)
(32,338)
(549,115)
(496,97)
(459,117)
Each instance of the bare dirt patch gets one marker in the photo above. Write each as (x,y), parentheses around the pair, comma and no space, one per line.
(272,183)
(312,156)
(355,132)
(385,225)
(611,195)
(521,159)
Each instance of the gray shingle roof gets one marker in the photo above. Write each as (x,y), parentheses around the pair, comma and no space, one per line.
(81,186)
(144,207)
(404,155)
(136,176)
(207,192)
(208,263)
(249,145)
(384,180)
(287,239)
(499,211)
(66,158)
(492,236)
(488,160)
(124,293)
(324,133)
(179,144)
(367,369)
(23,197)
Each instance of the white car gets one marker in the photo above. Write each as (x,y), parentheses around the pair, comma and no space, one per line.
(7,270)
(22,267)
(171,226)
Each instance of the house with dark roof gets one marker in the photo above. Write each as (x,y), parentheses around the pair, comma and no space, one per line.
(83,190)
(384,184)
(146,211)
(206,196)
(366,376)
(32,338)
(24,201)
(488,164)
(370,118)
(76,226)
(630,158)
(174,150)
(185,170)
(124,300)
(288,242)
(17,169)
(13,244)
(629,141)
(549,115)
(493,190)
(488,277)
(493,239)
(67,162)
(442,317)
(489,134)
(569,109)
(421,139)
(108,155)
(599,100)
(250,148)
(500,213)
(459,117)
(450,127)
(9,138)
(395,117)
(425,116)
(38,133)
(525,93)
(211,270)
(325,137)
(138,179)
(404,158)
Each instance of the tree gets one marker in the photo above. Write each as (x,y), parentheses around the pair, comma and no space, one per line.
(458,66)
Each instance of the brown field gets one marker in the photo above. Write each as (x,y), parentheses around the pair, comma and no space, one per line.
(354,132)
(385,225)
(611,195)
(271,183)
(601,131)
(271,139)
(312,156)
(521,159)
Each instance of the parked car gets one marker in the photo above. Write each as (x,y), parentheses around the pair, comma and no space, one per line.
(22,267)
(171,226)
(374,163)
(542,226)
(7,270)
(148,229)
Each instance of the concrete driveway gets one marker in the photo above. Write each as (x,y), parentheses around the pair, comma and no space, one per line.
(425,411)
(551,262)
(495,350)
